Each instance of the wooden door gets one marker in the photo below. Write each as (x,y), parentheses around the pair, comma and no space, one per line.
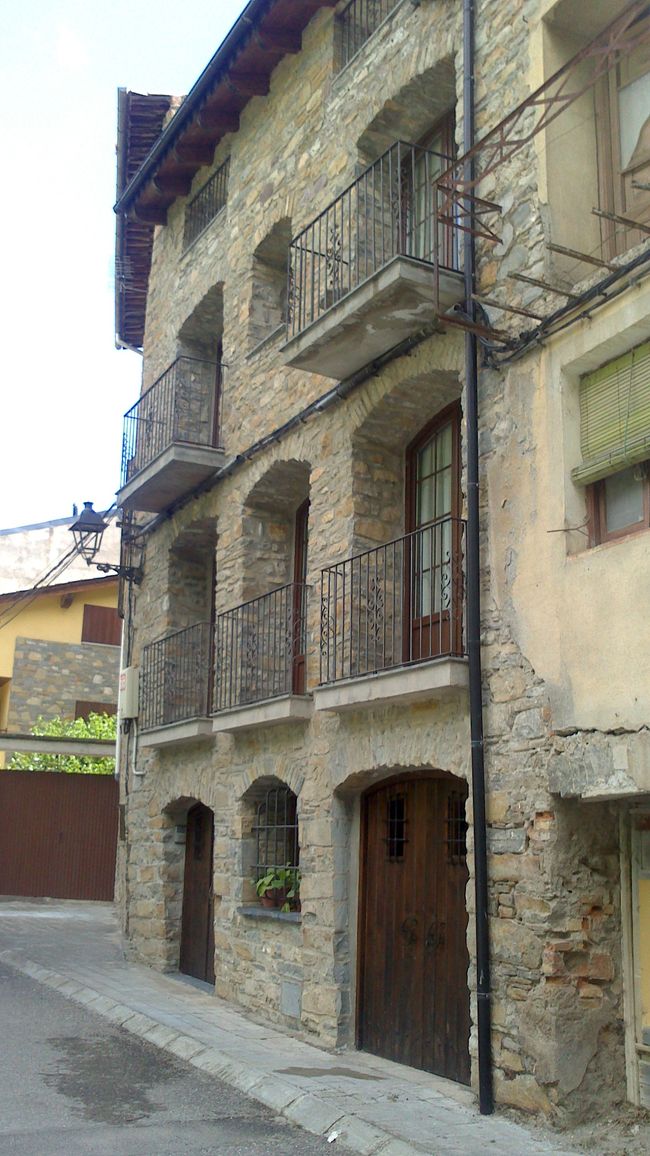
(432,554)
(413,994)
(301,538)
(197,929)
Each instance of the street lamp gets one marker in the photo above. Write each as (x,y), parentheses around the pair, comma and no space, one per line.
(88,531)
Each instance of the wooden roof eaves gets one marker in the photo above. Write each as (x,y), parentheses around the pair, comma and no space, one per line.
(223,89)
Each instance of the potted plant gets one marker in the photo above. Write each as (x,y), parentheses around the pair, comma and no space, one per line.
(279,887)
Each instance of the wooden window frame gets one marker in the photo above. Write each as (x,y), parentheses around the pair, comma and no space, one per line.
(610,175)
(597,512)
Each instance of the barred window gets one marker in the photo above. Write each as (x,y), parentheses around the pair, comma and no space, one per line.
(276,831)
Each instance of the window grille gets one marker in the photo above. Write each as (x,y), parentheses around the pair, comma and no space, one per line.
(276,831)
(396,823)
(456,838)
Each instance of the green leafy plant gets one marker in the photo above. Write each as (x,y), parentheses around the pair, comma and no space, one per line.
(283,880)
(96,726)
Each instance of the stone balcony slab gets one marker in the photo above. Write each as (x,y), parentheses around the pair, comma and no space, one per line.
(176,734)
(172,474)
(390,306)
(270,712)
(437,679)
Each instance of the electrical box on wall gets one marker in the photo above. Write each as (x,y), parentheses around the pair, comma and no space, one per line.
(127,703)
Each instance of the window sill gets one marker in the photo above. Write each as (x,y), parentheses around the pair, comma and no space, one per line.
(272,913)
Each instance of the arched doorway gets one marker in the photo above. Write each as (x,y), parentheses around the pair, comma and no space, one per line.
(197,926)
(413,994)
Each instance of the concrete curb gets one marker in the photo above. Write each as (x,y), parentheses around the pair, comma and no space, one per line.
(318,1114)
(310,1112)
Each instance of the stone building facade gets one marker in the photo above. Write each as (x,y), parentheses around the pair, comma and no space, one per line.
(300,631)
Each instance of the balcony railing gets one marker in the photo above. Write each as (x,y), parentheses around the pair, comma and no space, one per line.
(209,201)
(182,406)
(357,22)
(176,677)
(260,648)
(391,210)
(398,604)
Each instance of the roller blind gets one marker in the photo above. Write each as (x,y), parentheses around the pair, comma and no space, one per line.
(615,416)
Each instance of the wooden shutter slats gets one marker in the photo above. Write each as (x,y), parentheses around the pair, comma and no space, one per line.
(615,416)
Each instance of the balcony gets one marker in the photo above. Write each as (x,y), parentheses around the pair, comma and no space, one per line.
(260,661)
(392,622)
(176,687)
(171,436)
(358,21)
(379,264)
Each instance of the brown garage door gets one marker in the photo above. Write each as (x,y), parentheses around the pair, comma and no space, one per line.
(58,834)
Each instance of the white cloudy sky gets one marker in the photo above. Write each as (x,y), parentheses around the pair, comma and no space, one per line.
(64,386)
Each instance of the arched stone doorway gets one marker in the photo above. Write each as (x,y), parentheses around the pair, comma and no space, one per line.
(197,922)
(413,1004)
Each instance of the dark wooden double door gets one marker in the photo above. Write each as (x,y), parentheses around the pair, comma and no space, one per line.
(197,925)
(413,993)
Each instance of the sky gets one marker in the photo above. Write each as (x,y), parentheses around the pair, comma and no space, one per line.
(64,387)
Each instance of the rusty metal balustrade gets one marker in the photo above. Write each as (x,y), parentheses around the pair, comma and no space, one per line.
(182,406)
(357,22)
(176,677)
(203,208)
(260,648)
(390,211)
(398,604)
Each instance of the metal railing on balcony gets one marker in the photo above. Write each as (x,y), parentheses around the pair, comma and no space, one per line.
(176,677)
(203,208)
(357,22)
(182,406)
(398,604)
(260,648)
(391,210)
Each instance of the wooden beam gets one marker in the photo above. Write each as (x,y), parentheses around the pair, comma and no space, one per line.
(247,83)
(283,41)
(199,152)
(152,214)
(175,183)
(222,120)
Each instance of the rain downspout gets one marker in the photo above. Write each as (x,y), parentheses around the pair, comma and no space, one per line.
(486,1098)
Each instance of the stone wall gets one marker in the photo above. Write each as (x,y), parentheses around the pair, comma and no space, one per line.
(555,903)
(50,677)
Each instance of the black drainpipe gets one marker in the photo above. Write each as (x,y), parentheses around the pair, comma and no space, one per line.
(486,1099)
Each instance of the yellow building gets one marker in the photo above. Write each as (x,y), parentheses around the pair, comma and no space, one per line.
(59,629)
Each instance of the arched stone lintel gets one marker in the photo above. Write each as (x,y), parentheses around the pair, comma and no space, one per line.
(360,781)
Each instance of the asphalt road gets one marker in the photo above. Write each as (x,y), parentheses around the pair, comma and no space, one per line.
(73,1084)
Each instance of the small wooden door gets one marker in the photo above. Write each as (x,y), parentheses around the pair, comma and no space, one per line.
(301,540)
(197,929)
(432,554)
(413,994)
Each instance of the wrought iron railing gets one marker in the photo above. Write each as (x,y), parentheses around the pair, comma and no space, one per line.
(181,406)
(357,22)
(391,210)
(176,677)
(397,604)
(260,648)
(203,208)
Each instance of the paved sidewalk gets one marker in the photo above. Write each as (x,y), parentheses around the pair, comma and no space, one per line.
(371,1105)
